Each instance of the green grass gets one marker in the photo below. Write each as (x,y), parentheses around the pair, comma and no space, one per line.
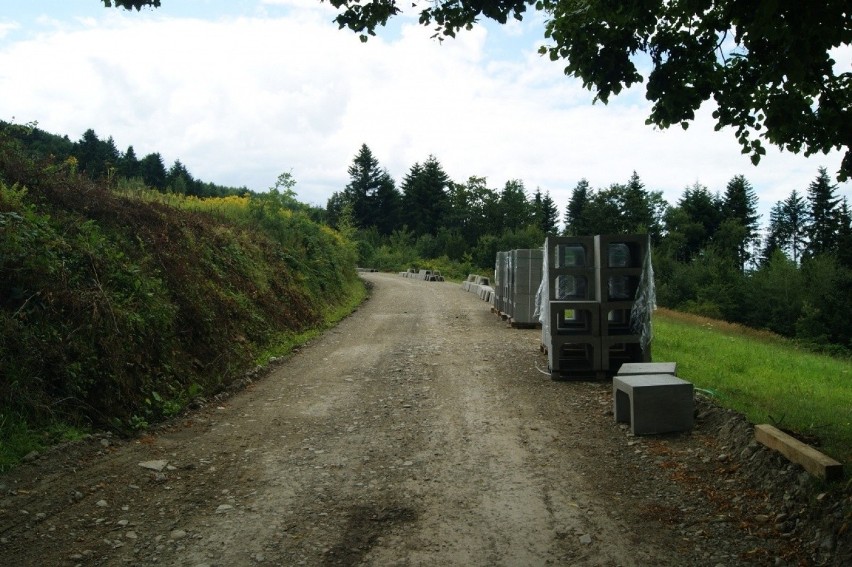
(763,376)
(283,344)
(17,439)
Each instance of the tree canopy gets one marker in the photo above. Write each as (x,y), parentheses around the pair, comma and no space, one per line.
(767,65)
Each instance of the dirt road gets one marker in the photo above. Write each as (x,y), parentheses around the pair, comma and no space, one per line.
(418,432)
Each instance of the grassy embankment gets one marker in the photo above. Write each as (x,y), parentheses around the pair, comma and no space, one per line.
(117,309)
(763,376)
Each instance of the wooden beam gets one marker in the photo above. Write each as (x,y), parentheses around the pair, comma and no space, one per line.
(814,462)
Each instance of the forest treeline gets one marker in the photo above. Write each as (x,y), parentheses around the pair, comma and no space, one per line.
(712,255)
(791,274)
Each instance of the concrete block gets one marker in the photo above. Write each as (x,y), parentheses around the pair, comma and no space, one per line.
(619,350)
(574,318)
(571,354)
(641,368)
(653,403)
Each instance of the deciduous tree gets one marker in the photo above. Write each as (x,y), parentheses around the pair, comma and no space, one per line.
(767,66)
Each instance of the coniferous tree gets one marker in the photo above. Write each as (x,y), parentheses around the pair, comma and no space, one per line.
(179,180)
(425,199)
(642,211)
(387,204)
(549,215)
(844,235)
(545,214)
(700,219)
(739,228)
(95,157)
(366,178)
(153,171)
(515,207)
(129,165)
(788,221)
(823,225)
(575,211)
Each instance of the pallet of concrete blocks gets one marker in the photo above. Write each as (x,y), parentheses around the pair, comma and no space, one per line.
(409,273)
(501,275)
(466,283)
(524,279)
(595,304)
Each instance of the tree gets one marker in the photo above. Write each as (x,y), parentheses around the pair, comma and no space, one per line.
(548,215)
(694,221)
(129,4)
(516,210)
(740,220)
(367,183)
(179,180)
(822,229)
(766,65)
(387,206)
(97,158)
(129,165)
(844,235)
(153,171)
(425,198)
(642,211)
(788,222)
(575,211)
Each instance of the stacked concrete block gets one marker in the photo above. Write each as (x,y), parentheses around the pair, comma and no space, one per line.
(423,275)
(525,268)
(620,271)
(479,286)
(591,285)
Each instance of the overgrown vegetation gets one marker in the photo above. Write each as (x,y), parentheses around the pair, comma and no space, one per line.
(118,307)
(764,376)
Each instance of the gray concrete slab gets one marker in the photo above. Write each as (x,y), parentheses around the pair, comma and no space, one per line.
(640,368)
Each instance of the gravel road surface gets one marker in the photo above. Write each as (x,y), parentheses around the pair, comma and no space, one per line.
(420,431)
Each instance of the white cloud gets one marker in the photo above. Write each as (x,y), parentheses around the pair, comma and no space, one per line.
(7,27)
(240,100)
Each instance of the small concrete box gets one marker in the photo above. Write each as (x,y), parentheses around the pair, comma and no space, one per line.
(641,368)
(653,403)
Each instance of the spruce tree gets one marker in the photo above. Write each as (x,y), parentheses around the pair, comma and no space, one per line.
(153,171)
(129,165)
(739,221)
(366,179)
(575,211)
(425,199)
(823,225)
(550,215)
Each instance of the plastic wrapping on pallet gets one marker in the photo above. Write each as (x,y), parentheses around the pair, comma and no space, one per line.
(540,313)
(644,304)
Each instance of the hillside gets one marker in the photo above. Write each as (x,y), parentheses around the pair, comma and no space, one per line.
(117,309)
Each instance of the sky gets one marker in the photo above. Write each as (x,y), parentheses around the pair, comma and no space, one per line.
(241,91)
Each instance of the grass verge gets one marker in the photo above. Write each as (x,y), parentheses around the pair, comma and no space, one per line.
(17,439)
(763,376)
(283,344)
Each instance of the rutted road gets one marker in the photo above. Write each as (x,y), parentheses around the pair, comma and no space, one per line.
(418,432)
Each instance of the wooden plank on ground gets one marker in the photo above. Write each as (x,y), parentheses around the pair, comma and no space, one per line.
(816,463)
